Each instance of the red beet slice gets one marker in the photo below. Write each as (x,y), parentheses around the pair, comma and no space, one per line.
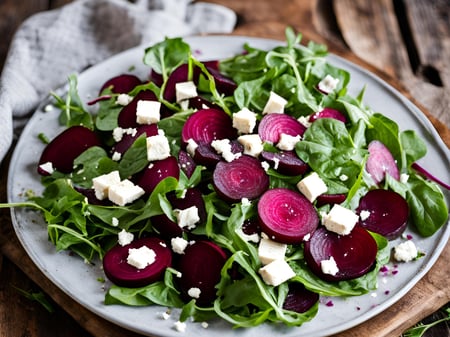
(206,125)
(328,113)
(127,140)
(389,213)
(206,155)
(381,162)
(127,116)
(67,146)
(192,197)
(123,274)
(330,199)
(166,228)
(178,75)
(244,177)
(299,299)
(273,125)
(224,85)
(286,216)
(200,267)
(286,162)
(354,253)
(121,84)
(156,172)
(186,162)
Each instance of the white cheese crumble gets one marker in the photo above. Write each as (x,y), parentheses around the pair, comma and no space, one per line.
(252,144)
(287,142)
(405,251)
(194,292)
(114,222)
(191,147)
(124,99)
(158,147)
(312,186)
(244,121)
(223,147)
(340,220)
(185,90)
(102,184)
(275,104)
(47,167)
(269,250)
(125,238)
(179,326)
(119,132)
(329,266)
(328,84)
(141,257)
(116,156)
(187,217)
(178,245)
(124,192)
(276,272)
(265,165)
(148,112)
(364,215)
(304,120)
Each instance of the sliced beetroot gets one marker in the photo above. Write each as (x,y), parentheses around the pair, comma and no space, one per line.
(244,177)
(273,125)
(299,299)
(328,113)
(206,125)
(67,146)
(122,84)
(251,226)
(388,210)
(192,197)
(200,267)
(381,162)
(224,85)
(286,162)
(119,272)
(165,227)
(330,199)
(206,155)
(354,253)
(128,139)
(127,116)
(199,102)
(179,74)
(186,162)
(156,172)
(156,78)
(286,216)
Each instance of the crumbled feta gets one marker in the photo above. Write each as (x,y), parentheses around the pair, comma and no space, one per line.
(287,142)
(185,90)
(191,147)
(194,292)
(114,222)
(404,178)
(178,245)
(205,325)
(223,147)
(245,202)
(276,272)
(340,220)
(307,237)
(343,177)
(275,104)
(116,156)
(102,184)
(119,132)
(328,84)
(187,217)
(304,120)
(47,167)
(180,326)
(269,250)
(252,144)
(141,257)
(329,266)
(124,192)
(265,165)
(165,315)
(148,112)
(158,147)
(125,237)
(405,251)
(124,99)
(244,121)
(364,215)
(312,186)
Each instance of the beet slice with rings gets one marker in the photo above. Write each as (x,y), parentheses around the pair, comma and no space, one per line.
(299,299)
(286,162)
(67,146)
(273,125)
(387,215)
(328,113)
(244,177)
(200,268)
(381,162)
(286,216)
(127,116)
(127,140)
(121,84)
(206,125)
(121,273)
(354,253)
(330,199)
(156,172)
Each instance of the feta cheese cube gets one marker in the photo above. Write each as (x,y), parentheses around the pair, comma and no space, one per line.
(304,120)
(178,245)
(185,90)
(276,272)
(194,292)
(102,184)
(244,121)
(191,147)
(287,142)
(223,147)
(141,257)
(275,104)
(252,144)
(340,220)
(158,147)
(269,250)
(125,237)
(187,217)
(124,192)
(47,167)
(116,156)
(329,266)
(312,186)
(328,84)
(405,251)
(148,112)
(124,99)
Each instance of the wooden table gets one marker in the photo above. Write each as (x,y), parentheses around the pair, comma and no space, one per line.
(406,42)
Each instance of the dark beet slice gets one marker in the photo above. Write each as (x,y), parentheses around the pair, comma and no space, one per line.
(186,162)
(330,199)
(156,78)
(206,125)
(200,267)
(389,213)
(123,274)
(121,84)
(206,155)
(273,125)
(381,162)
(328,113)
(251,226)
(429,176)
(299,299)
(224,85)
(354,253)
(286,162)
(166,228)
(286,216)
(180,74)
(67,146)
(156,172)
(127,116)
(127,140)
(192,197)
(199,102)
(244,177)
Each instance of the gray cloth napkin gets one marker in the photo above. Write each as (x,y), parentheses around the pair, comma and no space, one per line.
(51,45)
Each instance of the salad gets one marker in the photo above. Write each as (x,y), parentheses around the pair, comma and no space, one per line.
(243,188)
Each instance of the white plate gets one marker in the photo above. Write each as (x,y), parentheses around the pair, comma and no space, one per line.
(79,280)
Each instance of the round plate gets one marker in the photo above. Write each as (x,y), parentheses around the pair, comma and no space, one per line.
(80,280)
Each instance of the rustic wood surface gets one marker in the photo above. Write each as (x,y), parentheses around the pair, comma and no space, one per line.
(407,40)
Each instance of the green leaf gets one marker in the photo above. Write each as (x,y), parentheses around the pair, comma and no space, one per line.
(134,159)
